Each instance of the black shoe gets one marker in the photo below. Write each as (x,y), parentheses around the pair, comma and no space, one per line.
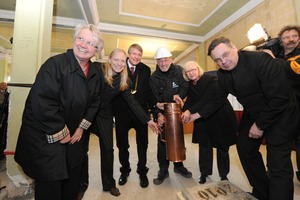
(144,182)
(224,178)
(202,179)
(123,178)
(80,195)
(162,175)
(183,171)
(115,191)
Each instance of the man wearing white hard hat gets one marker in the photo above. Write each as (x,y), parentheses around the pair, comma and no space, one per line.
(166,82)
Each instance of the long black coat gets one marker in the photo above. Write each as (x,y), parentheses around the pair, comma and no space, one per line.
(221,126)
(61,95)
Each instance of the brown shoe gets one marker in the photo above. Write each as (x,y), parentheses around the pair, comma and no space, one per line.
(115,191)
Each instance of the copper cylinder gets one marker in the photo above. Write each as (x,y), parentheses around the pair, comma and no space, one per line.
(174,132)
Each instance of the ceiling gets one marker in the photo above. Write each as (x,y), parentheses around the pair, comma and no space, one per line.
(180,25)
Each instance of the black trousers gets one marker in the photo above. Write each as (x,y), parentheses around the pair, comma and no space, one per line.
(206,160)
(107,154)
(279,184)
(60,189)
(106,158)
(84,176)
(162,156)
(122,128)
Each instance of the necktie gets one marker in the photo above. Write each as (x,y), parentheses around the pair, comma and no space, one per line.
(132,70)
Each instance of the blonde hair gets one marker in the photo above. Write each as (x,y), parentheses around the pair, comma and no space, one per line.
(108,72)
(191,63)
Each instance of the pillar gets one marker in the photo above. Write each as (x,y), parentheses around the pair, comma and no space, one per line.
(31,47)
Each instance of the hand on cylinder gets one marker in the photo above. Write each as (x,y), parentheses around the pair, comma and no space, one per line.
(160,120)
(177,99)
(185,116)
(160,105)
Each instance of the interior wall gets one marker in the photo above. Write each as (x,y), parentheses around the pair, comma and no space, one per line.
(272,14)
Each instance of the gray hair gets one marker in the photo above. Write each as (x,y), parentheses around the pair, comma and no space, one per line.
(96,34)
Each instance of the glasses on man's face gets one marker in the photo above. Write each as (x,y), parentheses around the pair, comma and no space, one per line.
(88,43)
(223,56)
(191,71)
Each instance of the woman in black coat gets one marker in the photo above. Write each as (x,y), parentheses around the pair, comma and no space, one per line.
(59,109)
(115,82)
(212,128)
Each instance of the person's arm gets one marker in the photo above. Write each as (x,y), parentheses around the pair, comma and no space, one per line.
(275,87)
(211,100)
(88,117)
(139,111)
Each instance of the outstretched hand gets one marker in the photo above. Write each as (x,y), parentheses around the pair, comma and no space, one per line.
(154,126)
(187,117)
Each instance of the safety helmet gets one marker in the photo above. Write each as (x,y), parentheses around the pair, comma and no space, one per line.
(162,52)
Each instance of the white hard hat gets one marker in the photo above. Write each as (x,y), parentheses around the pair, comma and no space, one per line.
(162,52)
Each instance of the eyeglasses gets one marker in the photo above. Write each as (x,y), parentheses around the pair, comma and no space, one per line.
(191,70)
(223,56)
(89,43)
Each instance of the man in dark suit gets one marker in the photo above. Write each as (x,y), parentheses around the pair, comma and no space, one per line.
(270,111)
(125,119)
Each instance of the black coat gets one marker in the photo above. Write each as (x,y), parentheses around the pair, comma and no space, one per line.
(221,126)
(61,95)
(165,85)
(259,82)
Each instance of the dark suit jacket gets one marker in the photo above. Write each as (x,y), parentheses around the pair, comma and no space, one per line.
(139,83)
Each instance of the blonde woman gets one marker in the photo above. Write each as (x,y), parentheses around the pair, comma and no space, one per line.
(115,83)
(214,128)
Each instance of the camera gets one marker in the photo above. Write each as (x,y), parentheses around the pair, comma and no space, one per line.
(272,44)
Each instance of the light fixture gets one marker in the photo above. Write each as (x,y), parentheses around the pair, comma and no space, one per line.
(257,34)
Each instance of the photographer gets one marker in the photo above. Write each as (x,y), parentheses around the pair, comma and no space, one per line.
(289,40)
